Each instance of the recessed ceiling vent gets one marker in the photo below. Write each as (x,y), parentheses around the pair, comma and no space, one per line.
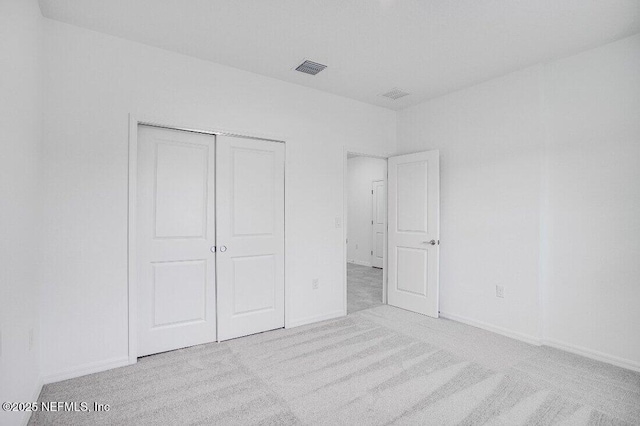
(395,93)
(310,67)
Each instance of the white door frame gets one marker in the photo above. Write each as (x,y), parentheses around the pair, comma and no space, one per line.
(132,281)
(345,192)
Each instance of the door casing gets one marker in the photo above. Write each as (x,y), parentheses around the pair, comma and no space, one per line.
(132,284)
(346,154)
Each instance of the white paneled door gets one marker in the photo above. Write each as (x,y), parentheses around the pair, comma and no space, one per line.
(414,232)
(250,235)
(175,231)
(378,213)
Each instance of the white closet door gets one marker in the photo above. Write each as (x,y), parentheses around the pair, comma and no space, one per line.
(378,223)
(250,236)
(175,231)
(414,232)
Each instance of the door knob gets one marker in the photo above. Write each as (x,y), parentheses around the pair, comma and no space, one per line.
(432,242)
(223,248)
(213,249)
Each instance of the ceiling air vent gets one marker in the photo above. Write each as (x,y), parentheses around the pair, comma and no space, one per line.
(395,93)
(310,67)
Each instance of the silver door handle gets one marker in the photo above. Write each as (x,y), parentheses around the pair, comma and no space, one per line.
(432,242)
(213,249)
(223,248)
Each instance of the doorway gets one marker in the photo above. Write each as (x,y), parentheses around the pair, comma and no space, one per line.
(401,215)
(366,231)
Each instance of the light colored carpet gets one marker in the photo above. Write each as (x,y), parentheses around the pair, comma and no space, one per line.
(364,287)
(377,366)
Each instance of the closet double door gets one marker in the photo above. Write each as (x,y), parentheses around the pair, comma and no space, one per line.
(209,238)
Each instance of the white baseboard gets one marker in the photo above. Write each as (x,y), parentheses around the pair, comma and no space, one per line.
(574,349)
(317,318)
(36,394)
(359,262)
(83,370)
(596,355)
(532,340)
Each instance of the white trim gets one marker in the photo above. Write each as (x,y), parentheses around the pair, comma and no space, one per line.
(592,354)
(34,397)
(167,122)
(345,245)
(532,340)
(134,122)
(84,369)
(132,280)
(287,293)
(567,347)
(360,262)
(317,318)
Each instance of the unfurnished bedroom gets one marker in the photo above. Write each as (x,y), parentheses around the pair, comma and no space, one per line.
(339,212)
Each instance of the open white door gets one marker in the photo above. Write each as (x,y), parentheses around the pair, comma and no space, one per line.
(378,213)
(414,231)
(250,236)
(175,230)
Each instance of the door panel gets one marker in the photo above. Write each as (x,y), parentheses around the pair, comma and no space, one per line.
(247,297)
(181,190)
(412,195)
(413,240)
(252,180)
(378,247)
(412,270)
(250,236)
(175,230)
(378,222)
(179,290)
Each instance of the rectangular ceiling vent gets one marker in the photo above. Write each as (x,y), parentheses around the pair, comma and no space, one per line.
(395,93)
(310,67)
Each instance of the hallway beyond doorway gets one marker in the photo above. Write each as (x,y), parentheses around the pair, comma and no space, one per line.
(364,287)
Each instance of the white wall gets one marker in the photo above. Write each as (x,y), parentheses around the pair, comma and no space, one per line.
(361,172)
(541,194)
(93,82)
(20,201)
(592,211)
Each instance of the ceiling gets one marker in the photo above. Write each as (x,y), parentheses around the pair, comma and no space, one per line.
(424,47)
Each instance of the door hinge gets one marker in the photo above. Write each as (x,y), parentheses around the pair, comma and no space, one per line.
(371,252)
(372,191)
(372,222)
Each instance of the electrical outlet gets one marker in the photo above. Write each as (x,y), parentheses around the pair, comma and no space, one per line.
(500,291)
(30,338)
(315,283)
